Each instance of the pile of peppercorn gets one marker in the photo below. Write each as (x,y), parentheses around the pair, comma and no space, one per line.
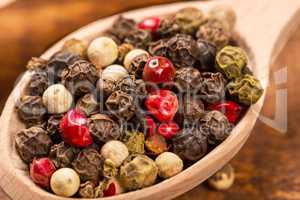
(134,106)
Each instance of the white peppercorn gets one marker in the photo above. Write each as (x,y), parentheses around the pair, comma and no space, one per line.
(169,164)
(57,99)
(114,73)
(102,52)
(65,182)
(116,151)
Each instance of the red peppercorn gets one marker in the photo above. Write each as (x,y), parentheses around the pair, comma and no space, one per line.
(110,191)
(229,108)
(41,171)
(150,23)
(168,130)
(74,130)
(163,104)
(150,126)
(159,70)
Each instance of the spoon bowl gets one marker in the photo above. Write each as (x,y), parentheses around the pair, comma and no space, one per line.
(263,27)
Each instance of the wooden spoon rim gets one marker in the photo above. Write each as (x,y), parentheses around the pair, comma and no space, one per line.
(167,189)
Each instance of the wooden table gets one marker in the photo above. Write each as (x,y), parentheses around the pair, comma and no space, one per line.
(266,168)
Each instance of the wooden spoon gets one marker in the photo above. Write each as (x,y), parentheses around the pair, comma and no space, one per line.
(263,26)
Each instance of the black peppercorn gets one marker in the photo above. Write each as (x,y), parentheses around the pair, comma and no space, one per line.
(212,88)
(80,77)
(159,48)
(168,27)
(193,108)
(32,142)
(207,54)
(121,105)
(216,126)
(138,38)
(31,110)
(38,83)
(187,79)
(137,65)
(121,27)
(58,62)
(87,104)
(53,127)
(190,144)
(127,85)
(63,154)
(182,50)
(105,88)
(88,164)
(103,128)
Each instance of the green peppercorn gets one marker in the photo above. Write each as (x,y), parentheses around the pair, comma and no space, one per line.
(135,142)
(230,61)
(189,19)
(245,90)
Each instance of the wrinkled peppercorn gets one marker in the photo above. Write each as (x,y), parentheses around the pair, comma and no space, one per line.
(138,38)
(87,104)
(190,144)
(216,126)
(90,190)
(135,142)
(231,61)
(38,83)
(31,110)
(168,27)
(103,128)
(215,32)
(63,155)
(207,54)
(87,190)
(159,48)
(137,65)
(189,19)
(88,164)
(156,144)
(130,85)
(141,90)
(123,50)
(225,14)
(75,46)
(110,169)
(137,172)
(53,127)
(58,62)
(187,79)
(192,109)
(182,50)
(32,142)
(127,85)
(212,88)
(105,88)
(80,77)
(246,89)
(36,64)
(121,27)
(121,105)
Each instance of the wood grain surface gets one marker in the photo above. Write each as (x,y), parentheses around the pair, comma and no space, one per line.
(266,168)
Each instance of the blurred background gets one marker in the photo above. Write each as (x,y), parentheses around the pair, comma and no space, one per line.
(266,168)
